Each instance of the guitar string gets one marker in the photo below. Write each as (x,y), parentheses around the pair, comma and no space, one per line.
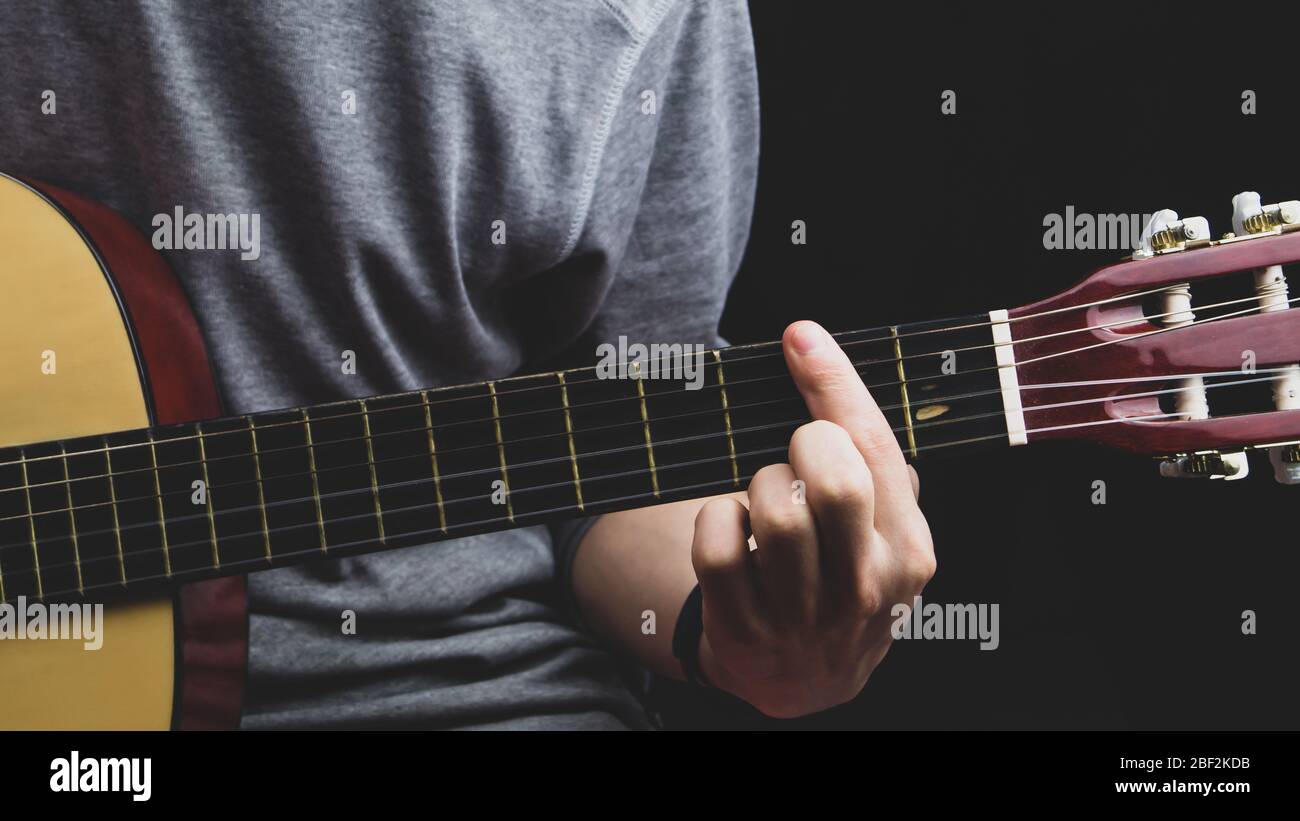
(443,427)
(496,520)
(637,423)
(436,532)
(170,550)
(731,384)
(703,364)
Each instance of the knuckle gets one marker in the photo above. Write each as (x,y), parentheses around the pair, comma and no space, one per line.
(868,599)
(920,563)
(774,475)
(720,510)
(712,559)
(840,488)
(819,430)
(926,567)
(719,523)
(783,522)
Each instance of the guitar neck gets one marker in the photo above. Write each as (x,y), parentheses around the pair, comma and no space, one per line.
(149,509)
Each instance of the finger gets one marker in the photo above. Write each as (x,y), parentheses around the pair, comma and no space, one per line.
(786,560)
(916,482)
(834,392)
(839,490)
(720,554)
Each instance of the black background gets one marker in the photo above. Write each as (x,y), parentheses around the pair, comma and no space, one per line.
(1126,615)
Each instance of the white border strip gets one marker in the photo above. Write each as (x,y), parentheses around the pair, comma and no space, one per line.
(1006,355)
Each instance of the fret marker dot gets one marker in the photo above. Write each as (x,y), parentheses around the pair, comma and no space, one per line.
(931,412)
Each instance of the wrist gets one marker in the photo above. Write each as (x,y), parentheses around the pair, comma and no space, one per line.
(710,671)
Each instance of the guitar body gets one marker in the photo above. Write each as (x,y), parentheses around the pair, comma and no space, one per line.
(95,337)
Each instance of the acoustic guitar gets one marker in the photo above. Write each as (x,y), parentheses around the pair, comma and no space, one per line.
(121,481)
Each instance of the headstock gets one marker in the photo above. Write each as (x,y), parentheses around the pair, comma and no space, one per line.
(1130,359)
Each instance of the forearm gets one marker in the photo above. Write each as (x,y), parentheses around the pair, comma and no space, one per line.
(633,562)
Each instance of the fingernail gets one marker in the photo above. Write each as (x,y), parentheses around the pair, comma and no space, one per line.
(806,338)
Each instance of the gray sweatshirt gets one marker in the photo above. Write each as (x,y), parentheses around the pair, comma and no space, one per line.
(452,191)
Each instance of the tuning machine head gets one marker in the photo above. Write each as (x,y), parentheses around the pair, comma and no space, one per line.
(1206,464)
(1286,463)
(1232,465)
(1165,232)
(1249,216)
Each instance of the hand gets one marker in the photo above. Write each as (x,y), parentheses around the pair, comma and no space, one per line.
(797,624)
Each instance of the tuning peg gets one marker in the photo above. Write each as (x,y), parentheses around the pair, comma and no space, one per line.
(1206,464)
(1250,217)
(1166,232)
(1286,464)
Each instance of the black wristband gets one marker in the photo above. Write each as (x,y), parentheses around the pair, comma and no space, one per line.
(687,634)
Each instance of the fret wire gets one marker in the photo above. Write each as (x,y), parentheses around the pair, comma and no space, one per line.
(902,387)
(726,419)
(261,497)
(374,479)
(315,484)
(207,497)
(157,486)
(645,422)
(112,505)
(501,450)
(31,526)
(568,430)
(433,459)
(72,519)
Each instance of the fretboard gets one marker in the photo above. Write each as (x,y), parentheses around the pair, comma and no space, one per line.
(148,509)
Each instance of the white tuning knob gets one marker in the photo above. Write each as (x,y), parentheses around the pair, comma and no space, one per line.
(1237,465)
(1165,232)
(1250,217)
